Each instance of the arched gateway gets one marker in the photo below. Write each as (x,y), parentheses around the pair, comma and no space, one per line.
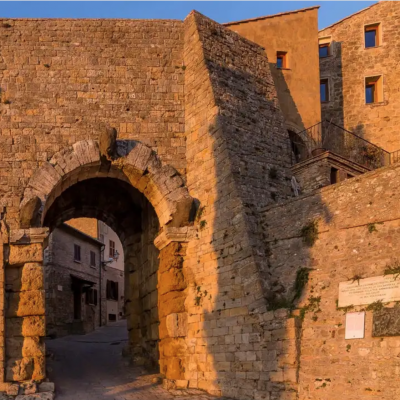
(148,205)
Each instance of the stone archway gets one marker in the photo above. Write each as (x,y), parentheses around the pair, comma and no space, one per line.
(139,179)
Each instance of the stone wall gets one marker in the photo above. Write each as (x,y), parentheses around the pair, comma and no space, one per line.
(235,137)
(60,264)
(86,73)
(141,295)
(297,84)
(351,62)
(24,309)
(358,225)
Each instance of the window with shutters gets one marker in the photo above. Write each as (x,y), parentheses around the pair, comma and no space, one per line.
(112,249)
(77,253)
(112,290)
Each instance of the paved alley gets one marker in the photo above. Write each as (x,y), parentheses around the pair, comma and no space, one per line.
(90,367)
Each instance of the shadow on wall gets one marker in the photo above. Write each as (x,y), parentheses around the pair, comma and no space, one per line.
(251,336)
(331,70)
(289,109)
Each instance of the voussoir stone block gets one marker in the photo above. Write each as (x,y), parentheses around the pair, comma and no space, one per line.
(45,178)
(87,151)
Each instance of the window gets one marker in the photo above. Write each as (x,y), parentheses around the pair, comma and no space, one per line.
(324,90)
(91,297)
(112,290)
(112,317)
(77,252)
(92,259)
(373,89)
(372,35)
(324,45)
(281,60)
(112,249)
(334,175)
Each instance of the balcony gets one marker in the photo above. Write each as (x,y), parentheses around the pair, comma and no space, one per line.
(329,137)
(326,153)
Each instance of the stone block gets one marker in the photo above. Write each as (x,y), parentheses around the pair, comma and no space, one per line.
(21,254)
(26,326)
(171,347)
(36,396)
(28,347)
(177,325)
(19,369)
(386,322)
(46,387)
(27,277)
(23,304)
(171,302)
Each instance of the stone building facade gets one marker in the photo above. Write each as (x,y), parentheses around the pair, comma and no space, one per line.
(231,282)
(112,256)
(351,63)
(72,283)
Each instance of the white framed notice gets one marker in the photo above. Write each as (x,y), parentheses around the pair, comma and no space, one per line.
(355,325)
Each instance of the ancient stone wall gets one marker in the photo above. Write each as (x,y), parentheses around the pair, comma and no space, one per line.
(235,137)
(141,295)
(351,62)
(296,83)
(59,267)
(61,80)
(357,235)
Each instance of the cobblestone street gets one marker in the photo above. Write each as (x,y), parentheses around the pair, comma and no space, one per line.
(90,367)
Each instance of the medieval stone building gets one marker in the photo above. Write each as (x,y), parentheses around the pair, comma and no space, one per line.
(72,283)
(235,284)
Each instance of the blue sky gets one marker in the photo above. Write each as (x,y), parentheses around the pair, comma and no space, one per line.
(221,11)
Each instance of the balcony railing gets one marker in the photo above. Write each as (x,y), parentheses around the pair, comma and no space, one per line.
(327,136)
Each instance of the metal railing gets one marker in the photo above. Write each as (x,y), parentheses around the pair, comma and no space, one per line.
(395,157)
(327,136)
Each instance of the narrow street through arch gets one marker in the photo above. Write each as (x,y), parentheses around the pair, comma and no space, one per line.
(90,367)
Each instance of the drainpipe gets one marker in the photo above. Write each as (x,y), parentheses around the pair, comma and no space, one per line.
(100,284)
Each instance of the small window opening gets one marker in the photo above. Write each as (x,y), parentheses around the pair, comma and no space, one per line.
(281,60)
(77,252)
(324,45)
(371,35)
(334,175)
(92,259)
(373,89)
(324,90)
